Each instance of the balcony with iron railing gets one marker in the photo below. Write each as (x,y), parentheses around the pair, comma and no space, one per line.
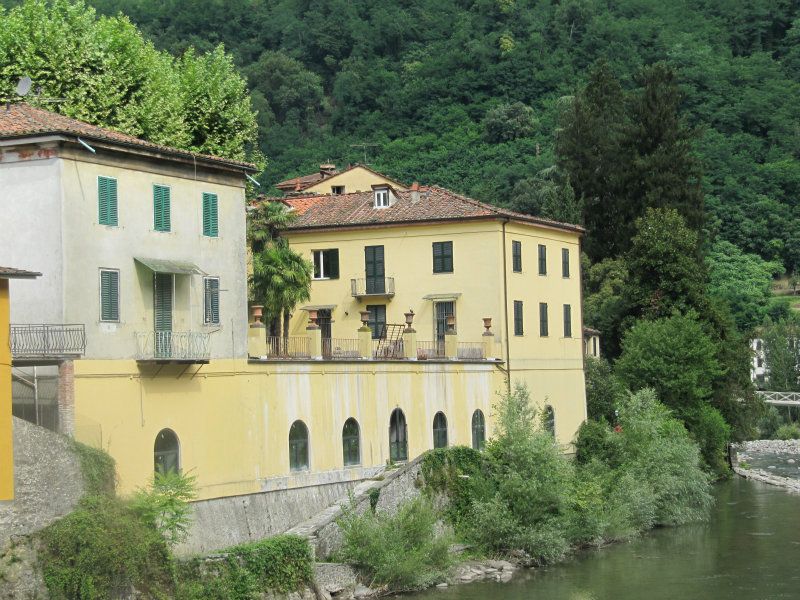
(382,287)
(43,342)
(173,346)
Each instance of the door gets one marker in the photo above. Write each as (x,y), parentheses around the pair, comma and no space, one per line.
(443,310)
(375,273)
(324,320)
(162,313)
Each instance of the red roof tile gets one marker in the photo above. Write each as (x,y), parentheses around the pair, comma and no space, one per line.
(22,120)
(434,204)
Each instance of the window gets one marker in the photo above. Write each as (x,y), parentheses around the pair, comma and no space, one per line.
(518,329)
(382,198)
(543,328)
(542,259)
(109,295)
(107,201)
(478,430)
(210,221)
(594,345)
(298,446)
(567,321)
(439,430)
(398,432)
(549,420)
(516,256)
(326,264)
(161,216)
(350,443)
(211,300)
(442,311)
(377,319)
(337,189)
(565,262)
(166,452)
(442,257)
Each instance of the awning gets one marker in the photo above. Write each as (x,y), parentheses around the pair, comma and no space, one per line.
(452,296)
(318,307)
(176,267)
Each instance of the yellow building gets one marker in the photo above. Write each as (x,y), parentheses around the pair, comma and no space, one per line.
(355,178)
(6,429)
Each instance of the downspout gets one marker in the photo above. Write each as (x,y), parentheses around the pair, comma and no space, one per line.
(581,324)
(505,309)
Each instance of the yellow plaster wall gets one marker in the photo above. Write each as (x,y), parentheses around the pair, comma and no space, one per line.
(6,433)
(357,179)
(233,418)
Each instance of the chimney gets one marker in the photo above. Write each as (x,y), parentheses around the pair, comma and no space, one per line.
(414,192)
(327,170)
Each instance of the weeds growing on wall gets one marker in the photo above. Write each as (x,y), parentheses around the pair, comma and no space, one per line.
(98,469)
(165,504)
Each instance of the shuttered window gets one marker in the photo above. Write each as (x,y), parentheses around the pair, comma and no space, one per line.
(442,257)
(326,264)
(377,319)
(211,300)
(567,320)
(516,256)
(161,208)
(565,262)
(543,324)
(109,295)
(542,259)
(210,221)
(107,201)
(518,329)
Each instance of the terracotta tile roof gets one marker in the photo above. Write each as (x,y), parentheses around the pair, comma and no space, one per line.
(304,181)
(11,273)
(434,204)
(22,120)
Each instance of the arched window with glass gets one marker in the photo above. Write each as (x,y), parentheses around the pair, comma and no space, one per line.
(351,445)
(298,446)
(167,452)
(398,436)
(439,430)
(549,420)
(478,430)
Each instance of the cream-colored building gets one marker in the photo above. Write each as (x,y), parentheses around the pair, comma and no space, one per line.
(355,178)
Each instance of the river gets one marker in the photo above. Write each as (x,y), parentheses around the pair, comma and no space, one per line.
(749,550)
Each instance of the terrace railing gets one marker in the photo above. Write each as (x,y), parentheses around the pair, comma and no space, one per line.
(372,286)
(173,345)
(339,349)
(428,350)
(288,347)
(470,350)
(43,340)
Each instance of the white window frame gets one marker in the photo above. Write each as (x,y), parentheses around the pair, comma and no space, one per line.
(322,274)
(382,198)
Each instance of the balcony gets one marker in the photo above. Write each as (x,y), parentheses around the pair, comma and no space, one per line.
(41,343)
(381,287)
(173,346)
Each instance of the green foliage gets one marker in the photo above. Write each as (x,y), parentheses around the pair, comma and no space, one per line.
(281,280)
(98,469)
(508,122)
(673,355)
(603,389)
(712,433)
(400,551)
(769,423)
(606,303)
(282,563)
(596,441)
(103,549)
(165,504)
(789,431)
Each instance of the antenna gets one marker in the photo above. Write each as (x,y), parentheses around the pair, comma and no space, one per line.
(364,147)
(24,86)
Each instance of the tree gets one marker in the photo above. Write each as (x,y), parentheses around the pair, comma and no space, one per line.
(782,355)
(606,303)
(603,389)
(508,122)
(548,195)
(265,221)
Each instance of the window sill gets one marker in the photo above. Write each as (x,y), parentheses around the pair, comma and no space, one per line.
(443,272)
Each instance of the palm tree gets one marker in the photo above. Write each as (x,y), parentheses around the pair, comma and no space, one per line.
(265,222)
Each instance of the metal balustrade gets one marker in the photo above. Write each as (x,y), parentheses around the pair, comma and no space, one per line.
(372,286)
(427,350)
(339,349)
(288,347)
(173,345)
(470,350)
(44,340)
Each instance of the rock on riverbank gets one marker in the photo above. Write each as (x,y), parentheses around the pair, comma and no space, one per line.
(784,451)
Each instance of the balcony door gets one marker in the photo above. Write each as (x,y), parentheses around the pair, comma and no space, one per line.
(324,321)
(163,284)
(375,272)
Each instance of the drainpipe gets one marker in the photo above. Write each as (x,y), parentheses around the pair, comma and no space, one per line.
(505,309)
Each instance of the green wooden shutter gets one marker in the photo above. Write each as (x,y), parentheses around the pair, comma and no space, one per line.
(210,215)
(161,208)
(516,253)
(567,320)
(518,326)
(162,299)
(543,324)
(447,257)
(107,200)
(437,257)
(109,296)
(332,265)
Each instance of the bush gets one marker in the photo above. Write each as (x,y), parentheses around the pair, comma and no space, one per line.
(770,423)
(282,563)
(98,469)
(103,549)
(596,441)
(400,551)
(603,389)
(788,432)
(712,433)
(165,504)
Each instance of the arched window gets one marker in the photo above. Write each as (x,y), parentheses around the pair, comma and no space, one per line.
(350,443)
(398,436)
(439,430)
(478,430)
(167,452)
(298,446)
(549,420)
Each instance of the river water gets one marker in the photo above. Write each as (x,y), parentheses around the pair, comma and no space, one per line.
(749,550)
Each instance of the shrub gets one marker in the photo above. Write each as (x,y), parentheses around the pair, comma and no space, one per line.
(400,551)
(788,432)
(770,423)
(603,389)
(596,441)
(103,549)
(712,433)
(165,504)
(98,469)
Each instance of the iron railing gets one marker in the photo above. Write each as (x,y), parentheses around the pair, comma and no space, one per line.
(426,350)
(47,340)
(780,398)
(288,347)
(173,345)
(338,349)
(387,348)
(470,350)
(372,286)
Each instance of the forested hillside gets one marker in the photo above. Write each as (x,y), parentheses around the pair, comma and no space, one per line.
(426,82)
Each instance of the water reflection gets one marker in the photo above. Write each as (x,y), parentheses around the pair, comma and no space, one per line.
(750,549)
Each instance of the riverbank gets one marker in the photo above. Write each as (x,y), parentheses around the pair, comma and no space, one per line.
(774,462)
